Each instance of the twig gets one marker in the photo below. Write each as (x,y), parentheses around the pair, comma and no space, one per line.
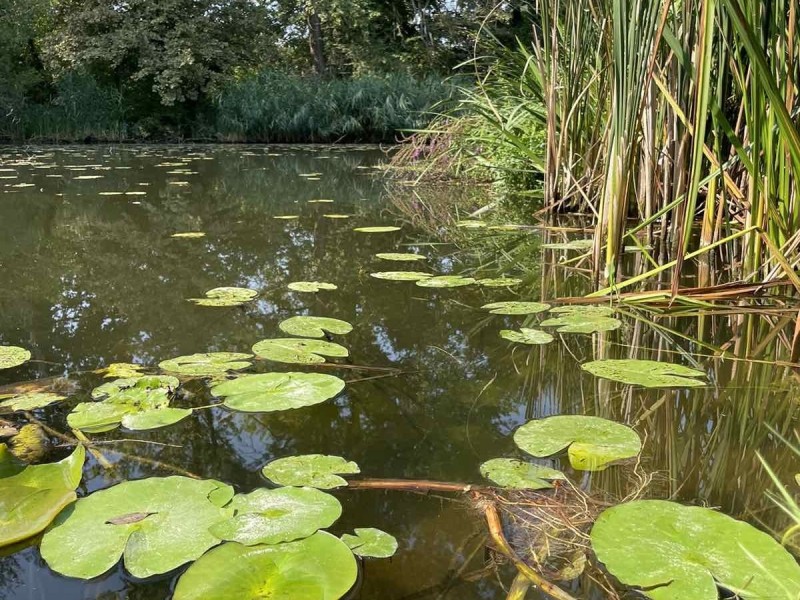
(413,485)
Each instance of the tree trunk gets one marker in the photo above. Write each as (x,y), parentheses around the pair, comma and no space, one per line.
(315,41)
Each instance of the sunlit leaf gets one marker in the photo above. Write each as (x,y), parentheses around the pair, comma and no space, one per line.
(445,281)
(401,256)
(122,370)
(300,351)
(400,275)
(516,308)
(189,234)
(646,373)
(311,286)
(314,327)
(582,319)
(267,392)
(499,282)
(380,229)
(571,245)
(518,475)
(313,470)
(31,401)
(13,356)
(471,224)
(226,296)
(526,336)
(207,364)
(371,542)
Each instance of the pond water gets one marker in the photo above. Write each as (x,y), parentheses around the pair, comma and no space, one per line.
(92,276)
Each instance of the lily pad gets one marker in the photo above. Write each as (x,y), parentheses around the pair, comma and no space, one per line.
(188,235)
(401,275)
(320,567)
(518,475)
(516,308)
(268,392)
(445,281)
(371,542)
(207,364)
(31,401)
(646,373)
(571,245)
(675,552)
(13,356)
(313,470)
(499,282)
(314,327)
(226,296)
(526,336)
(157,524)
(582,319)
(381,229)
(31,497)
(401,256)
(281,515)
(311,286)
(122,370)
(593,443)
(300,351)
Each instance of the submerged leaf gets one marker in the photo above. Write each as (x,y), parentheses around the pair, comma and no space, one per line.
(13,356)
(267,392)
(675,552)
(380,229)
(371,542)
(499,282)
(526,336)
(31,401)
(296,350)
(647,373)
(311,286)
(206,364)
(518,475)
(516,308)
(401,256)
(226,296)
(400,275)
(122,370)
(445,281)
(314,327)
(593,442)
(313,470)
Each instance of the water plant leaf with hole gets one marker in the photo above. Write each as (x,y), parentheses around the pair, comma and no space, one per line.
(31,497)
(676,552)
(499,282)
(268,392)
(157,524)
(526,336)
(379,229)
(519,475)
(400,275)
(122,370)
(445,281)
(593,443)
(31,401)
(312,470)
(285,514)
(513,307)
(311,286)
(401,256)
(207,364)
(299,351)
(320,567)
(13,356)
(646,373)
(226,296)
(314,327)
(582,319)
(371,542)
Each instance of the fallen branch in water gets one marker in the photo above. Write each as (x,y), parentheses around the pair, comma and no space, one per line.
(413,485)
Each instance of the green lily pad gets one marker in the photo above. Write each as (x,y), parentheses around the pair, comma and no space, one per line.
(313,470)
(226,296)
(381,229)
(593,443)
(320,567)
(401,275)
(401,256)
(518,475)
(281,515)
(526,336)
(311,286)
(371,542)
(314,327)
(471,224)
(571,245)
(582,319)
(157,524)
(188,235)
(122,370)
(499,282)
(647,373)
(583,309)
(516,308)
(445,281)
(31,401)
(206,364)
(675,552)
(31,497)
(268,392)
(300,351)
(13,356)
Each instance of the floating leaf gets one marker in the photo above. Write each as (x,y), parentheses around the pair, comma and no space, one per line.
(499,282)
(445,281)
(300,351)
(586,310)
(314,327)
(31,401)
(90,537)
(516,308)
(647,373)
(188,234)
(582,319)
(401,256)
(286,217)
(371,542)
(675,552)
(382,229)
(268,392)
(593,442)
(571,245)
(226,296)
(281,515)
(336,216)
(313,470)
(13,356)
(31,498)
(467,224)
(310,286)
(400,275)
(518,475)
(207,364)
(320,201)
(30,444)
(320,567)
(526,336)
(122,370)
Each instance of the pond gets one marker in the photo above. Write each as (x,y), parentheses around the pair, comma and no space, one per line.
(92,274)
